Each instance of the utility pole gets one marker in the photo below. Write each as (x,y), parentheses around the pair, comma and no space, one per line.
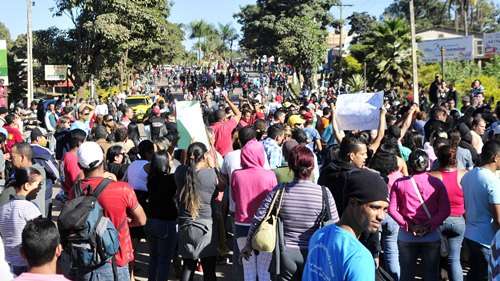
(29,41)
(364,75)
(441,51)
(416,93)
(340,5)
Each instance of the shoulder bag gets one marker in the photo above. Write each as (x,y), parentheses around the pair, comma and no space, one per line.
(264,238)
(414,184)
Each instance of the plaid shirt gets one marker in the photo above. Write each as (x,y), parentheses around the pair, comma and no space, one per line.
(273,153)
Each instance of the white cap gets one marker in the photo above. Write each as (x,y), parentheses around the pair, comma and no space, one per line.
(90,155)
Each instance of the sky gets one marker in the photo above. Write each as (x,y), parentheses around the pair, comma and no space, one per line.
(13,12)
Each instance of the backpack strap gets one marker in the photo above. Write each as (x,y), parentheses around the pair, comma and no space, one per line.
(100,187)
(77,190)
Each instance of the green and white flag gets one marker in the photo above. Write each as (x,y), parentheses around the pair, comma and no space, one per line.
(4,72)
(190,125)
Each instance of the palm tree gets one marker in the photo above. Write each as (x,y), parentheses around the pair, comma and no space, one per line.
(200,30)
(389,52)
(356,83)
(228,34)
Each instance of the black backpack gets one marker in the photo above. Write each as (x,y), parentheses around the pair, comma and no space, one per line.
(88,237)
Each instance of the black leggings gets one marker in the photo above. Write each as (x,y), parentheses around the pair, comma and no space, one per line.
(208,265)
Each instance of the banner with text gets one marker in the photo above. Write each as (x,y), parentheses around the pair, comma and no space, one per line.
(455,49)
(359,111)
(491,42)
(55,72)
(4,69)
(190,124)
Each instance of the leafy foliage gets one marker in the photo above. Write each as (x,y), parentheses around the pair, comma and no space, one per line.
(387,51)
(112,37)
(482,16)
(4,32)
(361,23)
(461,74)
(356,83)
(293,30)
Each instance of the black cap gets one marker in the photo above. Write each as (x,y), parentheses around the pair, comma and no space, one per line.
(35,134)
(366,186)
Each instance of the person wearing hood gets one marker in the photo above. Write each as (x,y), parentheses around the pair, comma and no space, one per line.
(249,186)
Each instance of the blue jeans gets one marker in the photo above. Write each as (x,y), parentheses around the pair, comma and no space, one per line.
(479,256)
(105,273)
(430,254)
(390,258)
(162,238)
(452,231)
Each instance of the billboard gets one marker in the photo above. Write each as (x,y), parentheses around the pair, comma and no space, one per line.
(55,72)
(455,49)
(4,71)
(491,42)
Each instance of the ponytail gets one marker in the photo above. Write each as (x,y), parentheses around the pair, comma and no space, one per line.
(188,195)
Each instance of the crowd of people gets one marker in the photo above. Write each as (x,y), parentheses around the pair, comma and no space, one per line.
(419,194)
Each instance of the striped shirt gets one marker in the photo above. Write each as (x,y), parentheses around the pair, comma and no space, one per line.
(13,217)
(301,205)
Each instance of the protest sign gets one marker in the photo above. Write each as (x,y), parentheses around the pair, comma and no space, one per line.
(359,111)
(190,124)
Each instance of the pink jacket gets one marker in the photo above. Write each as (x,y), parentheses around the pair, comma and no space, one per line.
(406,209)
(251,184)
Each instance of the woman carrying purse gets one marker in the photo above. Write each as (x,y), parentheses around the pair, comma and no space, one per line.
(419,204)
(301,202)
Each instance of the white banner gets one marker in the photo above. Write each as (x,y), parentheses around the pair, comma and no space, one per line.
(190,124)
(359,111)
(55,72)
(491,42)
(455,49)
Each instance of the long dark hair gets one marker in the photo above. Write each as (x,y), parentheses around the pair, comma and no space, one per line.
(188,195)
(133,133)
(159,164)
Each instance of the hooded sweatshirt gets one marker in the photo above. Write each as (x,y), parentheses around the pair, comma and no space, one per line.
(251,183)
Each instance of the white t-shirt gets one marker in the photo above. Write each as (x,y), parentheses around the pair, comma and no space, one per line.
(101,109)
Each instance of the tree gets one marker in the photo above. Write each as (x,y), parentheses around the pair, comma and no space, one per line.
(387,51)
(112,37)
(4,32)
(302,44)
(293,30)
(260,21)
(201,31)
(228,34)
(479,15)
(361,23)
